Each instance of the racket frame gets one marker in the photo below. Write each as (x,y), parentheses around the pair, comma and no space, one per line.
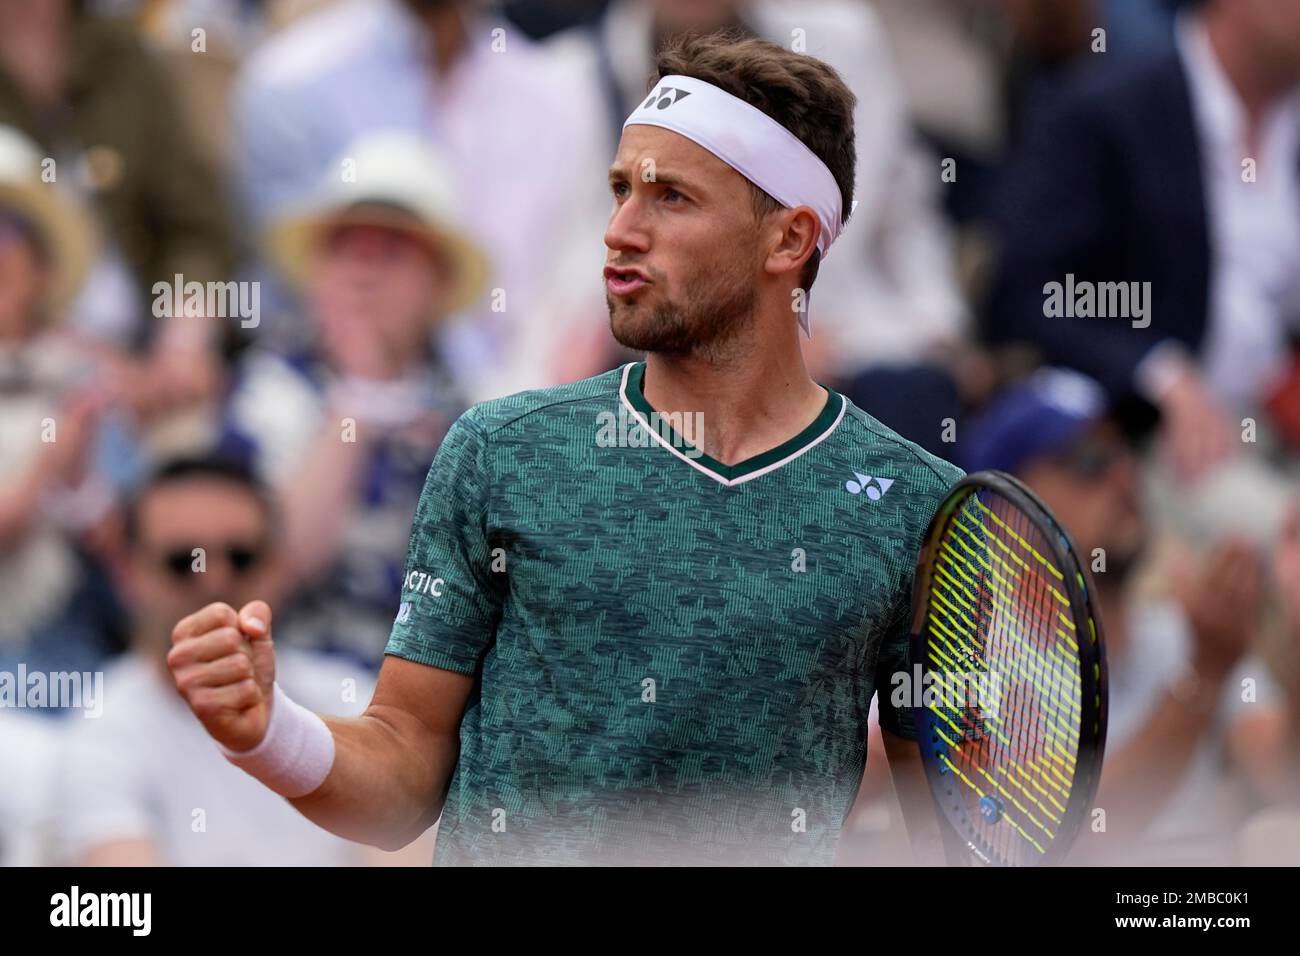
(1078,587)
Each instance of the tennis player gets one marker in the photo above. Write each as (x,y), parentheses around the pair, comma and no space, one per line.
(615,645)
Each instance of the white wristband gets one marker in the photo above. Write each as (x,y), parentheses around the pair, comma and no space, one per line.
(295,755)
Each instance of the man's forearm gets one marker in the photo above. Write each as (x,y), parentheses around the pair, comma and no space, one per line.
(382,790)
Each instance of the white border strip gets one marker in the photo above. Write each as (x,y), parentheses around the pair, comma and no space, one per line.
(732,482)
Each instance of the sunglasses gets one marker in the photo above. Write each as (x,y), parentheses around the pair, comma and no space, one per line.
(242,558)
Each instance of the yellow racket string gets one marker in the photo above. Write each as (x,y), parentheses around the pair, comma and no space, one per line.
(976,576)
(1045,672)
(1005,594)
(950,691)
(1002,770)
(1061,615)
(1052,743)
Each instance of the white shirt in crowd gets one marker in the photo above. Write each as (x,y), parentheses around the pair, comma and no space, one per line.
(28,747)
(1254,225)
(146,769)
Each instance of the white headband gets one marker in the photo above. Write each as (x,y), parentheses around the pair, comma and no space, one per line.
(750,142)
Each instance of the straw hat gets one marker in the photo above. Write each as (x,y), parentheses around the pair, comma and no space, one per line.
(394,181)
(64,228)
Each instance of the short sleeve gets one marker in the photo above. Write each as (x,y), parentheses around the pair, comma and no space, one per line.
(451,596)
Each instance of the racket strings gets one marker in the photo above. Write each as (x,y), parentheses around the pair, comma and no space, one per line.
(998,626)
(1033,667)
(1033,594)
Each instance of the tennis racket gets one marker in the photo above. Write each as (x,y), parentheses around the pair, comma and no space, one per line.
(1012,722)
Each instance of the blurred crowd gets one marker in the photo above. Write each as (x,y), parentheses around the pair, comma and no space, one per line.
(257,255)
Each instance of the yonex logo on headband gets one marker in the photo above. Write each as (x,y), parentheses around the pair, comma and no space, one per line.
(666,97)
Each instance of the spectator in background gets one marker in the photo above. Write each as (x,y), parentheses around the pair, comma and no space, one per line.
(967,67)
(95,100)
(1051,37)
(54,485)
(345,430)
(142,784)
(1188,756)
(951,58)
(529,161)
(887,318)
(1181,171)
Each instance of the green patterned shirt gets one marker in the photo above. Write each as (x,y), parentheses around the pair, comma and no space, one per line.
(674,658)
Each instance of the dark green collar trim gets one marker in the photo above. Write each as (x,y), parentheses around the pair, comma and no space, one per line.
(825,420)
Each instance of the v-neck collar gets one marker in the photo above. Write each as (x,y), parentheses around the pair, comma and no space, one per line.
(633,397)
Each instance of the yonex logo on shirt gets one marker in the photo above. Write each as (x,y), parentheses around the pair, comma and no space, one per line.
(874,487)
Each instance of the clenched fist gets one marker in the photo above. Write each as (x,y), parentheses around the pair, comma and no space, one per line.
(224,666)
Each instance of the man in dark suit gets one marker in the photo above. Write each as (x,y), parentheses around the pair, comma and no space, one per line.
(1171,188)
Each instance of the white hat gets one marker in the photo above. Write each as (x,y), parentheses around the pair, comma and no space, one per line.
(393,180)
(64,227)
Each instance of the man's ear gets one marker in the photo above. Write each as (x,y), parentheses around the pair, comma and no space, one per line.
(795,242)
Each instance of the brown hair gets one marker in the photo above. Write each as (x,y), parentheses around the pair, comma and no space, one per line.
(800,92)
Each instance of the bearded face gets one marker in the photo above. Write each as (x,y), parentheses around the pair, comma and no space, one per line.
(685,247)
(702,309)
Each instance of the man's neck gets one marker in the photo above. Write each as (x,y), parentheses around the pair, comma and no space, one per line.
(749,404)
